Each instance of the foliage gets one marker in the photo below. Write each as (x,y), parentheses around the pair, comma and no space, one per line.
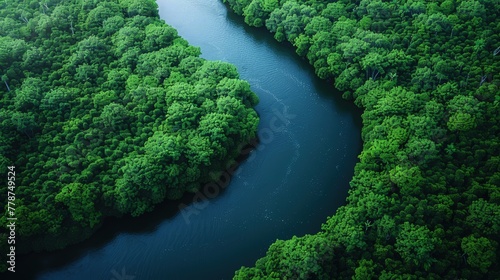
(106,111)
(424,200)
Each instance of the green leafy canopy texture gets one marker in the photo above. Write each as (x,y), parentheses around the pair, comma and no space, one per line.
(424,201)
(106,111)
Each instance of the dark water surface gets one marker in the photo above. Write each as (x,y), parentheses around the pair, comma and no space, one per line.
(298,175)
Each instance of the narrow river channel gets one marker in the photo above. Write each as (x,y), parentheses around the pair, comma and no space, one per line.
(298,175)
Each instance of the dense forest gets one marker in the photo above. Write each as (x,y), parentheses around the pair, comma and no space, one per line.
(106,111)
(424,202)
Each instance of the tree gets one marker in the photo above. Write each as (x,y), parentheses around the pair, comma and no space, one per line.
(374,64)
(127,38)
(334,11)
(484,217)
(354,49)
(165,148)
(407,179)
(238,89)
(463,113)
(189,65)
(25,123)
(11,50)
(181,92)
(421,150)
(140,187)
(104,98)
(423,79)
(378,10)
(437,22)
(320,45)
(461,122)
(215,71)
(147,8)
(97,16)
(238,5)
(159,36)
(258,11)
(349,79)
(183,115)
(306,257)
(113,24)
(397,101)
(480,252)
(365,270)
(59,99)
(415,245)
(80,200)
(317,24)
(289,20)
(87,73)
(114,115)
(386,227)
(64,17)
(347,229)
(471,8)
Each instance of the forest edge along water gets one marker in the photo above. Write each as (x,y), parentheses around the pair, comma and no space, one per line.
(296,176)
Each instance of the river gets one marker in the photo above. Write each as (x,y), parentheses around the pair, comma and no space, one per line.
(298,175)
